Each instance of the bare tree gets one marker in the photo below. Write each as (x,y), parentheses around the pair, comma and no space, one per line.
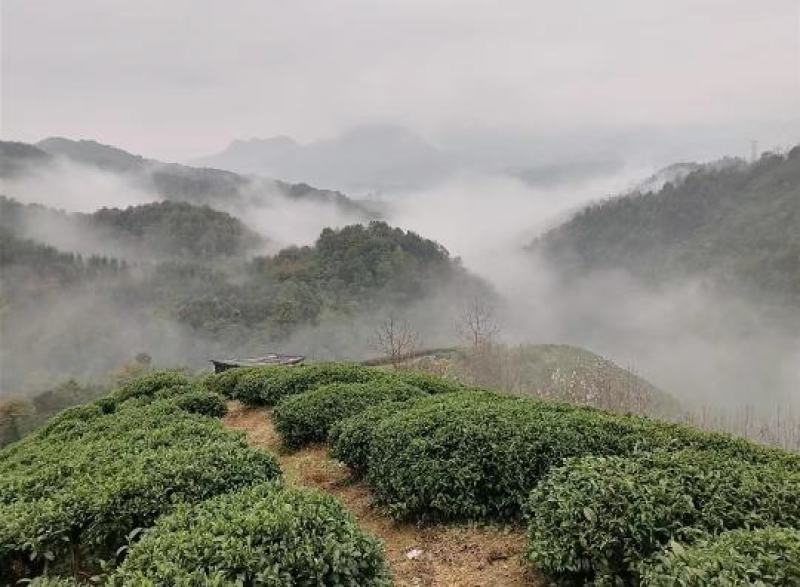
(477,323)
(395,339)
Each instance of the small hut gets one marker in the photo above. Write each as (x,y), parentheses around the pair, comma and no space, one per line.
(270,359)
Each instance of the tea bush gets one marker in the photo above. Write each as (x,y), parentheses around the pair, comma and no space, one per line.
(305,418)
(432,384)
(149,384)
(351,438)
(189,398)
(198,401)
(263,535)
(82,483)
(226,382)
(597,518)
(478,456)
(768,556)
(267,385)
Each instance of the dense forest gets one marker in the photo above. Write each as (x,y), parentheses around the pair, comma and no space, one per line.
(237,303)
(139,233)
(346,272)
(30,268)
(738,225)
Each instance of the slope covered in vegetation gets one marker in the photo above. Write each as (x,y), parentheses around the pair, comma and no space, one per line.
(77,497)
(181,182)
(221,301)
(602,493)
(558,372)
(738,225)
(608,499)
(155,231)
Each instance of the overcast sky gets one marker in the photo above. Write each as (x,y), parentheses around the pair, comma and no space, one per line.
(175,79)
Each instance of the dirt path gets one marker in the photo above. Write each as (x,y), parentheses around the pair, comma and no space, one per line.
(448,556)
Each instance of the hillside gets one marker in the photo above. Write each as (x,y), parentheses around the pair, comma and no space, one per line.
(354,270)
(147,232)
(553,371)
(193,306)
(736,225)
(154,483)
(169,181)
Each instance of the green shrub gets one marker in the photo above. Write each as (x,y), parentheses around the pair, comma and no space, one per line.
(432,384)
(195,400)
(224,383)
(305,418)
(149,384)
(264,535)
(597,518)
(84,482)
(478,455)
(267,385)
(69,423)
(189,397)
(351,438)
(768,556)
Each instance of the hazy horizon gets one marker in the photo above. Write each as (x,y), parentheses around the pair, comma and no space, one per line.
(706,77)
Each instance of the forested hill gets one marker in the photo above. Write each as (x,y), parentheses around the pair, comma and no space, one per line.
(182,182)
(155,231)
(168,181)
(737,225)
(188,309)
(347,272)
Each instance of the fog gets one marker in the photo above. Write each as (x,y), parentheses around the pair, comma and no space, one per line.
(286,221)
(65,185)
(692,341)
(183,79)
(686,338)
(517,115)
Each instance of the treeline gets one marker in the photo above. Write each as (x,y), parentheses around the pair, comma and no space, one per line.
(154,231)
(738,225)
(31,268)
(179,229)
(349,279)
(345,272)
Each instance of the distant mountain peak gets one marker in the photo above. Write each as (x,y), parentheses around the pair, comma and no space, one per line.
(366,158)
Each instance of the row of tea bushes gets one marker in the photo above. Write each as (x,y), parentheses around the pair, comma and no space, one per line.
(307,417)
(603,492)
(478,455)
(263,535)
(150,384)
(151,461)
(71,493)
(266,386)
(767,556)
(598,518)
